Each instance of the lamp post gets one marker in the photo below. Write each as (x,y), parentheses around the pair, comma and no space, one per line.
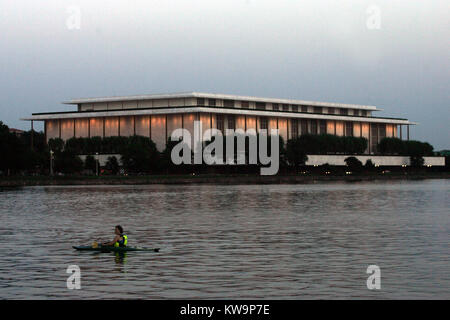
(96,163)
(51,162)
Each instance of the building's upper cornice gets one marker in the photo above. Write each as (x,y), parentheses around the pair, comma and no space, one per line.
(233,111)
(219,96)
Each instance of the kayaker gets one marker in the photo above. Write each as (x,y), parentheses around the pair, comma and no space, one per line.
(120,240)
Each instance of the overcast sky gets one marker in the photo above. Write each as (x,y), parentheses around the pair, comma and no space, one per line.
(391,54)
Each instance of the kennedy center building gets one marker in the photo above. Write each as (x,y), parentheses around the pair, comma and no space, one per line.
(157,115)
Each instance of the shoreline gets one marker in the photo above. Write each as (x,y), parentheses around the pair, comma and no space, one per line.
(211,179)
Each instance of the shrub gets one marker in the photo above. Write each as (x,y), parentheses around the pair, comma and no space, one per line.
(90,163)
(140,155)
(112,164)
(369,164)
(295,153)
(353,163)
(416,161)
(391,146)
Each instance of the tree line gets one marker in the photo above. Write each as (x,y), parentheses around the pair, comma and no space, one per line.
(139,154)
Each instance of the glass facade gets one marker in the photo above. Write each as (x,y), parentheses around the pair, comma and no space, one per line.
(313,126)
(220,123)
(263,123)
(303,126)
(96,127)
(111,127)
(322,127)
(126,126)
(349,129)
(143,126)
(294,128)
(82,128)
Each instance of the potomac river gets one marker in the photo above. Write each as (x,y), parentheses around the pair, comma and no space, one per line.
(303,241)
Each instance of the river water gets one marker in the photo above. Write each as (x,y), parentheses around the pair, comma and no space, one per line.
(226,242)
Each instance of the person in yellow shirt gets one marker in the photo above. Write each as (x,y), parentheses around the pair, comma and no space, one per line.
(120,239)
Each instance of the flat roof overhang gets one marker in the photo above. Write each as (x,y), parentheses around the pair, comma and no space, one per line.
(230,111)
(221,97)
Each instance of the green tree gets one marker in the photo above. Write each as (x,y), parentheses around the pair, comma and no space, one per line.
(166,163)
(416,161)
(56,144)
(68,162)
(90,163)
(391,146)
(295,153)
(112,165)
(369,164)
(353,164)
(140,155)
(13,151)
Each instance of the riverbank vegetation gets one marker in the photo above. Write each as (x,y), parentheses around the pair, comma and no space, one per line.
(29,154)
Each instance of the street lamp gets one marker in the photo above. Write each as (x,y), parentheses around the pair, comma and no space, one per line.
(96,164)
(51,162)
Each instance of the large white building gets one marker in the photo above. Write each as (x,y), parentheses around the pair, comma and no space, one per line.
(157,115)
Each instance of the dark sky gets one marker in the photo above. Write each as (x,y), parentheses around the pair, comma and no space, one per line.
(391,54)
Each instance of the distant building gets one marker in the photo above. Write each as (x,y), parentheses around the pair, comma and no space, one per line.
(157,115)
(17,132)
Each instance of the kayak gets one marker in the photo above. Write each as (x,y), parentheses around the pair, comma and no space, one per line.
(114,249)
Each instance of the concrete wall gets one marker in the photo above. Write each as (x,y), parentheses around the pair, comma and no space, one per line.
(330,159)
(339,160)
(103,158)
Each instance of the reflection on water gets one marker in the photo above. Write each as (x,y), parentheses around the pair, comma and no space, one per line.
(243,241)
(120,257)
